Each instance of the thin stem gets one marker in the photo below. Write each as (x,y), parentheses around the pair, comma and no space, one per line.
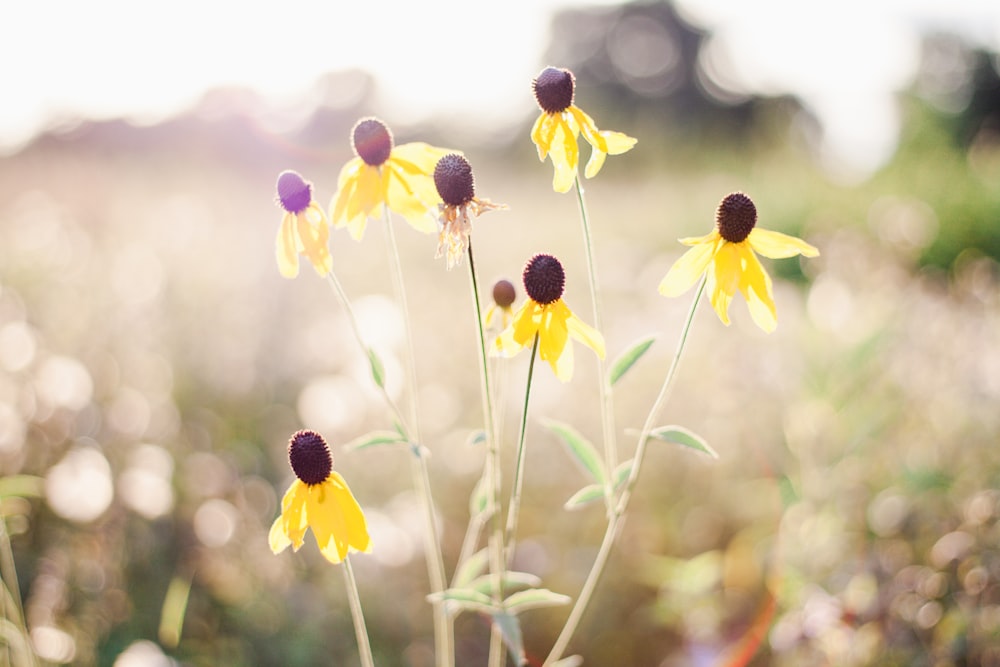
(491,468)
(443,628)
(8,573)
(606,392)
(617,519)
(364,646)
(513,510)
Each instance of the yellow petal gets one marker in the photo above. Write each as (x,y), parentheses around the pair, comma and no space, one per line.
(688,269)
(326,519)
(541,134)
(779,246)
(277,538)
(368,193)
(408,195)
(358,538)
(586,334)
(552,338)
(287,248)
(618,142)
(565,156)
(347,185)
(755,285)
(314,238)
(595,163)
(562,365)
(512,339)
(711,237)
(422,158)
(293,513)
(725,279)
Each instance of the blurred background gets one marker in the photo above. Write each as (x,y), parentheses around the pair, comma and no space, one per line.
(153,363)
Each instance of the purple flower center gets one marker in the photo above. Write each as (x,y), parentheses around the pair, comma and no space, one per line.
(294,193)
(310,457)
(372,141)
(504,293)
(736,217)
(544,279)
(554,89)
(454,180)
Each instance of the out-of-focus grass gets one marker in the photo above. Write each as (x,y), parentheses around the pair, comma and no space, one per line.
(153,364)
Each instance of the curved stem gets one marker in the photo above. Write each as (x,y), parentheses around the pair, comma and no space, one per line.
(513,510)
(606,393)
(443,628)
(491,469)
(354,600)
(617,519)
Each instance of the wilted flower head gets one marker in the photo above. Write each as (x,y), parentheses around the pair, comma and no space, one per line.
(304,227)
(384,174)
(319,499)
(457,188)
(727,257)
(546,315)
(556,131)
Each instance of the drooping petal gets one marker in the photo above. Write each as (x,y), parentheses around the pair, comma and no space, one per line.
(553,334)
(711,237)
(347,185)
(506,344)
(726,269)
(526,326)
(401,197)
(293,514)
(586,334)
(358,538)
(314,238)
(541,134)
(287,247)
(565,154)
(277,538)
(779,246)
(367,196)
(689,268)
(326,518)
(755,285)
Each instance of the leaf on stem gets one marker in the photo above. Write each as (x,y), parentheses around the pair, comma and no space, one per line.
(472,567)
(378,370)
(478,499)
(510,581)
(628,358)
(584,496)
(621,473)
(375,438)
(682,436)
(581,449)
(535,598)
(510,628)
(464,599)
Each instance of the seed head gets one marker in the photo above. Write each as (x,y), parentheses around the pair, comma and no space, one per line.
(310,457)
(736,217)
(294,192)
(454,180)
(554,89)
(372,141)
(544,279)
(504,293)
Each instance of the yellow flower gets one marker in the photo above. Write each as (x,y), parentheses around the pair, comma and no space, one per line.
(548,316)
(381,173)
(556,131)
(319,499)
(457,188)
(304,227)
(727,256)
(503,298)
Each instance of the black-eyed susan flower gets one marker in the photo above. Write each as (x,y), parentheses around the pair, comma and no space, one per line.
(456,186)
(727,256)
(557,129)
(546,314)
(304,228)
(504,295)
(319,499)
(383,173)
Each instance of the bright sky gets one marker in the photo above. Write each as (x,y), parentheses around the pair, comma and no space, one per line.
(145,60)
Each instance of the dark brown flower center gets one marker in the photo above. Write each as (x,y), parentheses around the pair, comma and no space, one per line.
(554,89)
(736,217)
(544,279)
(294,192)
(372,141)
(454,180)
(310,457)
(504,293)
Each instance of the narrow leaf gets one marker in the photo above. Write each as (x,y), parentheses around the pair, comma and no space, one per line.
(511,581)
(621,473)
(464,599)
(534,598)
(472,567)
(682,436)
(584,496)
(375,438)
(477,501)
(510,628)
(378,370)
(628,358)
(581,449)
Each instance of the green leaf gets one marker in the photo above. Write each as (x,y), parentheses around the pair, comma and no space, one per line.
(471,567)
(682,436)
(21,486)
(621,473)
(535,598)
(375,438)
(628,358)
(581,449)
(510,581)
(585,496)
(378,370)
(476,438)
(465,599)
(477,501)
(510,628)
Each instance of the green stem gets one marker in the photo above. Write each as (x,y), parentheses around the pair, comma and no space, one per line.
(617,519)
(364,646)
(8,573)
(491,469)
(513,510)
(443,629)
(606,393)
